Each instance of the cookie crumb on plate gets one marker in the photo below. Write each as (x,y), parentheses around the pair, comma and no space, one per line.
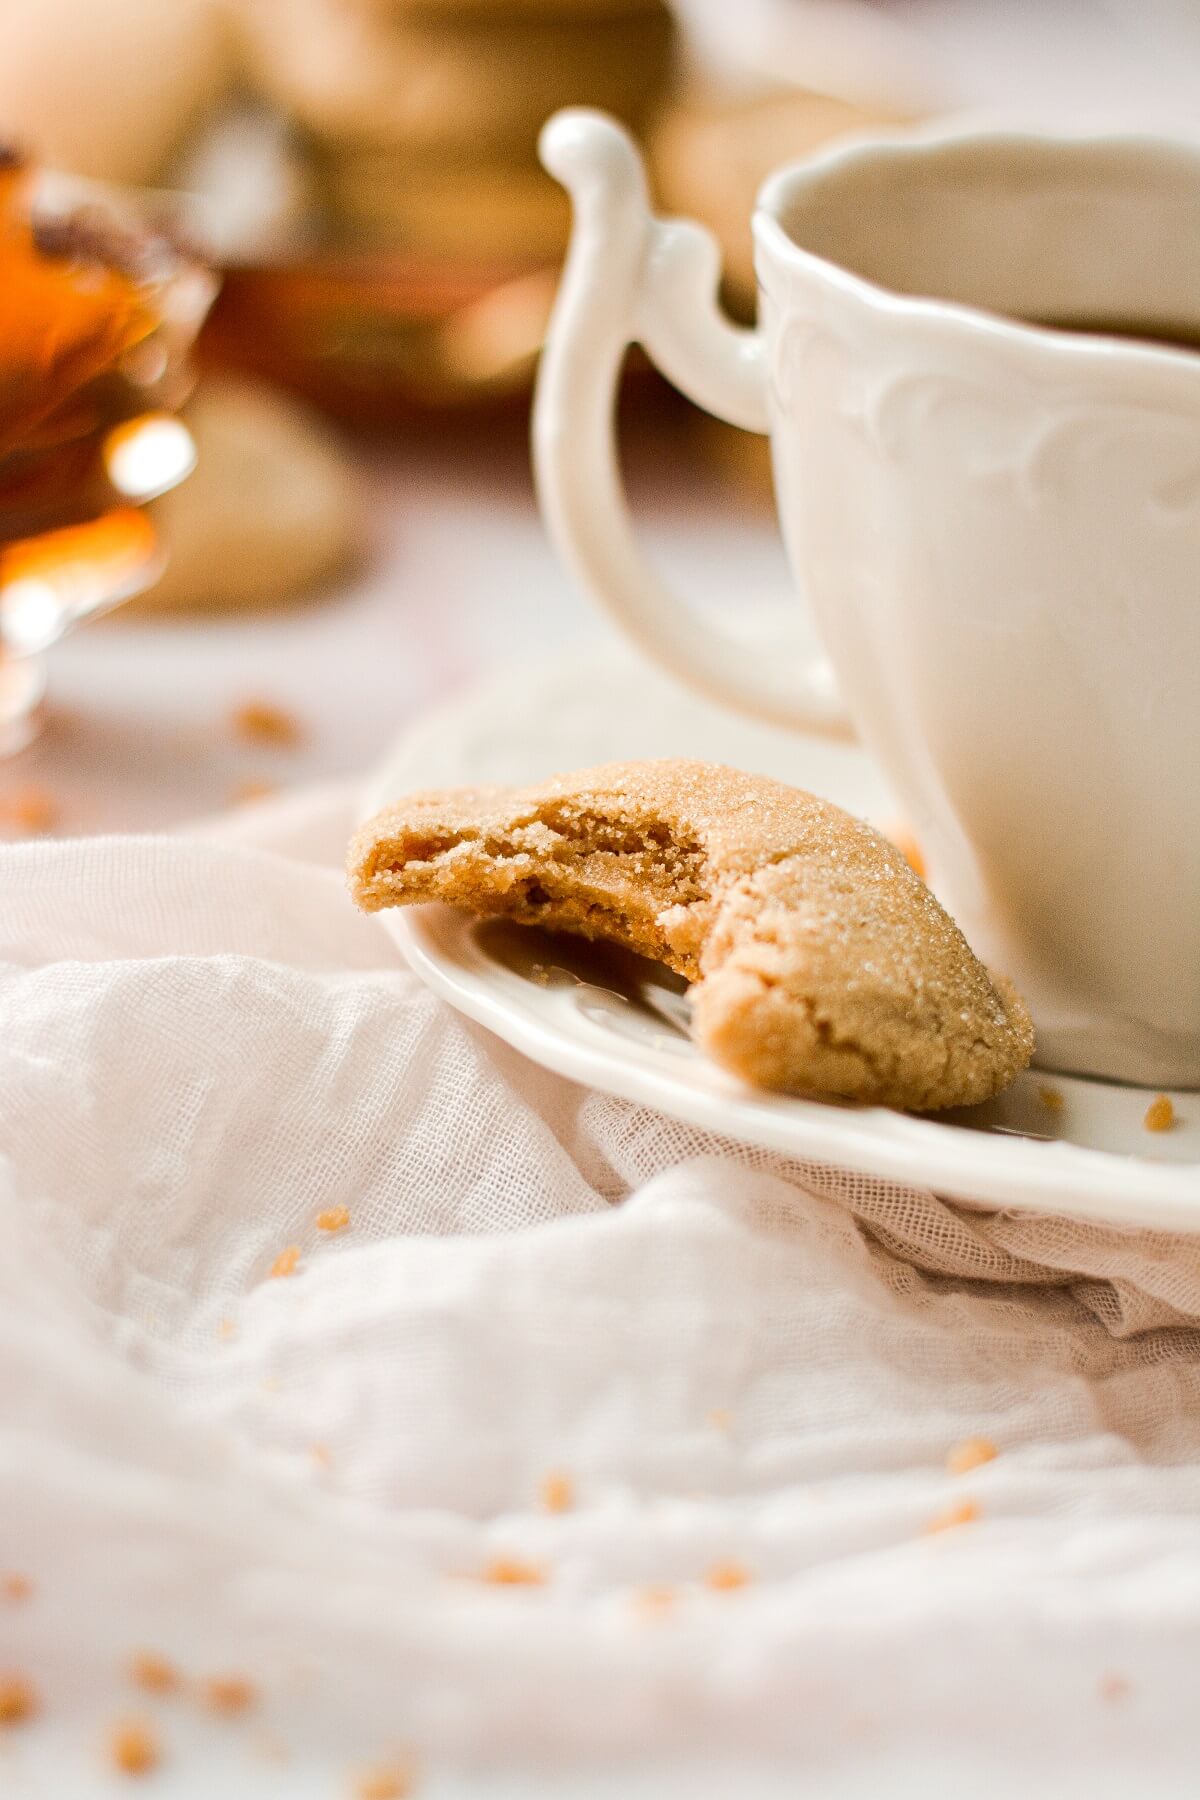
(1160,1114)
(962,1512)
(245,793)
(154,1673)
(262,722)
(972,1453)
(385,1783)
(18,1700)
(16,1587)
(133,1748)
(909,849)
(512,1571)
(725,1577)
(31,809)
(557,1492)
(229,1693)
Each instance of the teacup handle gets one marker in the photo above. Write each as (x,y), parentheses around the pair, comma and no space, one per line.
(631,277)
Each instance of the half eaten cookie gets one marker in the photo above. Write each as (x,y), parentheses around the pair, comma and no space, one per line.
(822,964)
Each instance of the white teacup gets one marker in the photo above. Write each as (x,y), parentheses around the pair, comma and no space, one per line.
(997,524)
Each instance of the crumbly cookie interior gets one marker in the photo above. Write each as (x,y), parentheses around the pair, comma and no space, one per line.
(617,872)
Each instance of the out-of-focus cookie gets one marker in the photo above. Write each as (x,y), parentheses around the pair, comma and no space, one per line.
(476,85)
(709,162)
(269,512)
(822,963)
(479,213)
(503,10)
(109,88)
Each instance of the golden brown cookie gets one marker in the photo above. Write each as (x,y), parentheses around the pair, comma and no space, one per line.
(476,213)
(270,512)
(822,963)
(710,159)
(477,84)
(503,10)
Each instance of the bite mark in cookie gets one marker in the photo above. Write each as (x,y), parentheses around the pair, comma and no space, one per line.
(821,963)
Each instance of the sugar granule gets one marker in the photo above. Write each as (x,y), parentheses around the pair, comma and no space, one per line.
(725,1577)
(155,1673)
(18,1700)
(1160,1114)
(229,1693)
(133,1748)
(262,722)
(511,1571)
(557,1493)
(30,809)
(962,1512)
(390,1783)
(972,1453)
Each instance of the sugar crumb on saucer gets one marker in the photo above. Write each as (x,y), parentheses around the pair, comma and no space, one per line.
(262,722)
(32,810)
(388,1782)
(557,1492)
(1160,1114)
(286,1262)
(18,1699)
(334,1218)
(153,1673)
(15,1587)
(726,1577)
(909,848)
(1053,1099)
(133,1747)
(513,1571)
(228,1693)
(972,1453)
(245,793)
(961,1512)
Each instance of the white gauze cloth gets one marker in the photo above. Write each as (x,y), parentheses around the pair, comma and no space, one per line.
(733,1362)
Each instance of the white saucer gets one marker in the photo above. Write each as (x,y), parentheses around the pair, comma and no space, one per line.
(617,1024)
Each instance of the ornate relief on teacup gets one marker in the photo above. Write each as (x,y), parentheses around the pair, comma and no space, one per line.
(987,468)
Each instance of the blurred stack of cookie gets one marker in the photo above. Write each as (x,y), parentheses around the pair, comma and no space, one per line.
(423,115)
(710,155)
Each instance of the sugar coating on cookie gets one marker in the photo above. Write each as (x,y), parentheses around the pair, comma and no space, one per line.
(821,963)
